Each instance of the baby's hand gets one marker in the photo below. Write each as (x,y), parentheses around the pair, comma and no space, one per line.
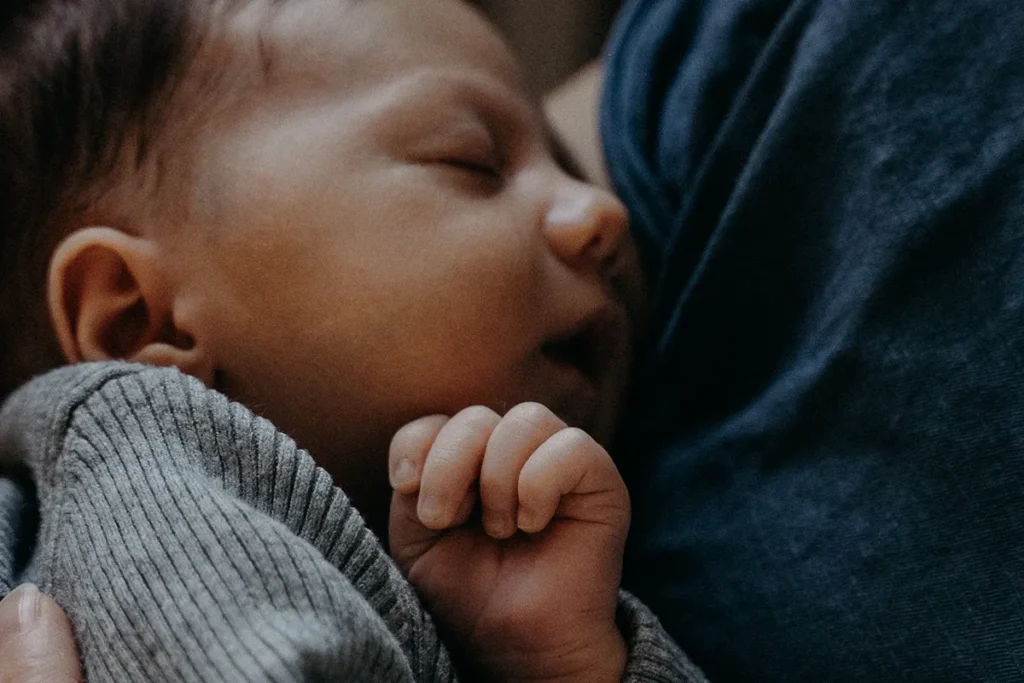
(528,588)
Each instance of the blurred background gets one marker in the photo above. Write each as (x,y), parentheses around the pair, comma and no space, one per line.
(553,37)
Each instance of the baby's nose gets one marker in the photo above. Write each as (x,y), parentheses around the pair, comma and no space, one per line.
(585,225)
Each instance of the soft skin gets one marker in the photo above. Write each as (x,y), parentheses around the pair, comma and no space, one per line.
(529,587)
(380,232)
(36,641)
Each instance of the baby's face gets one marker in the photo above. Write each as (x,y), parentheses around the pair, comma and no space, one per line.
(385,233)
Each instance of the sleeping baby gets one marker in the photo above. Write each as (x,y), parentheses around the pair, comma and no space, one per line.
(348,217)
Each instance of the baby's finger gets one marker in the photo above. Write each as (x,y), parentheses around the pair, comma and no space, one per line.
(521,431)
(407,537)
(452,465)
(408,451)
(571,463)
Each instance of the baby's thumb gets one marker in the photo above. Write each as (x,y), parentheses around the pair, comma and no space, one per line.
(36,642)
(408,539)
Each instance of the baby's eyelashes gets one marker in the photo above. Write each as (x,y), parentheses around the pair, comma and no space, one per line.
(475,176)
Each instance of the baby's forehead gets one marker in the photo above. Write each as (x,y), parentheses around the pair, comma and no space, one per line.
(292,70)
(340,44)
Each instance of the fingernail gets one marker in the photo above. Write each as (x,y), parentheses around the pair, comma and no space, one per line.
(431,509)
(497,525)
(526,521)
(28,605)
(404,474)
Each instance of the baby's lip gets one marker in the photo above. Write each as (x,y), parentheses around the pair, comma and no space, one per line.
(586,358)
(585,346)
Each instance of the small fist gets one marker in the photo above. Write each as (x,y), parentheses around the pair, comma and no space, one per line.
(512,529)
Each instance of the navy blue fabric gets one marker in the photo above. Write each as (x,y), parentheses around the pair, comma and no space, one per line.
(825,443)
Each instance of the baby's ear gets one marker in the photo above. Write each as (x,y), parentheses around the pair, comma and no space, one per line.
(110,299)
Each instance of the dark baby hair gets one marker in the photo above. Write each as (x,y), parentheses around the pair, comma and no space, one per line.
(86,95)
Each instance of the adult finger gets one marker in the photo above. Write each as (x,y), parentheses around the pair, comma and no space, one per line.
(36,641)
(521,431)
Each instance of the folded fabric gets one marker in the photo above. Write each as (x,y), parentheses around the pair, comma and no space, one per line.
(824,447)
(189,540)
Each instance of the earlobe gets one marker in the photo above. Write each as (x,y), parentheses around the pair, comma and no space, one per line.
(110,299)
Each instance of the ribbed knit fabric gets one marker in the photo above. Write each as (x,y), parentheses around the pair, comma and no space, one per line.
(189,540)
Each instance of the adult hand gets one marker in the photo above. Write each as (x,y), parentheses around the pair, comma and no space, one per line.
(527,589)
(36,642)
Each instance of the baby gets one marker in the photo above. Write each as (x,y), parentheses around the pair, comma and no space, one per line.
(349,216)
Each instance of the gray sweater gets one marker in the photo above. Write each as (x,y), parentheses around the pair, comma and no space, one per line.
(189,540)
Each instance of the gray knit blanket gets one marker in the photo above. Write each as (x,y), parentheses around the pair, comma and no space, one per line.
(190,540)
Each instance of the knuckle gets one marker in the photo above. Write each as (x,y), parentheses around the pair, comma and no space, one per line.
(531,413)
(575,438)
(447,455)
(414,435)
(477,417)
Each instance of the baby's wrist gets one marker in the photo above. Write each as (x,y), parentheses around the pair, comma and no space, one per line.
(601,660)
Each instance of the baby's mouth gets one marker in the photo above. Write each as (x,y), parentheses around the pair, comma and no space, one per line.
(589,360)
(579,348)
